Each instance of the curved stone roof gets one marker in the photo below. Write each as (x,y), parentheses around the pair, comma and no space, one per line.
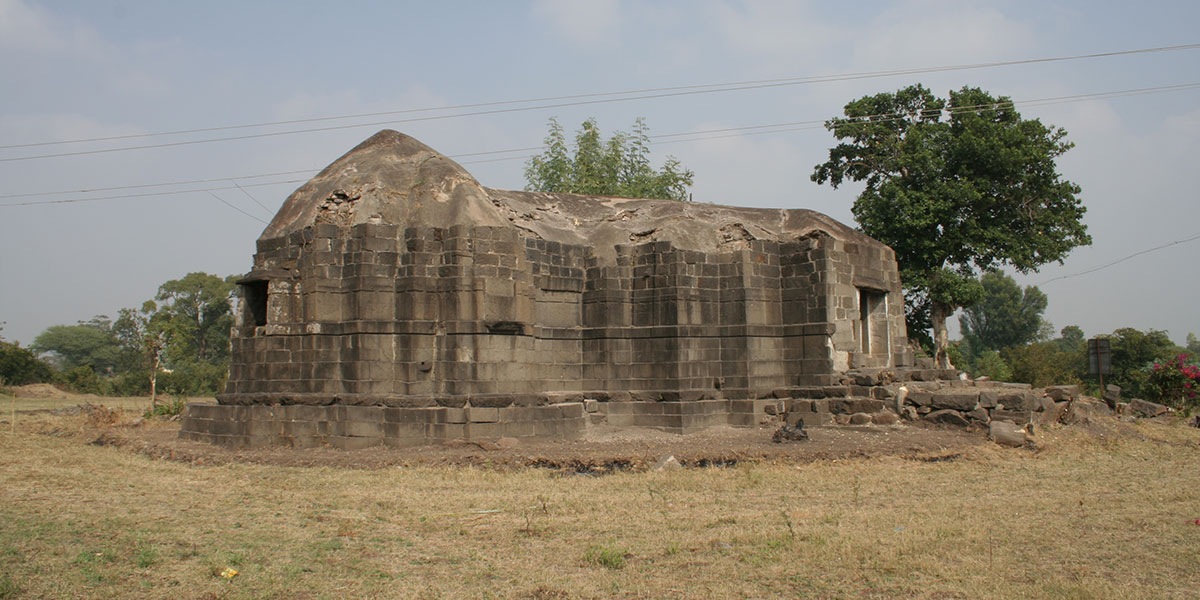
(394,179)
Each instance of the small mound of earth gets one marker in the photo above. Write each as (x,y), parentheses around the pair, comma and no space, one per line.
(40,390)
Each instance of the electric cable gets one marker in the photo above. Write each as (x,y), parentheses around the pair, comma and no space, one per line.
(788,80)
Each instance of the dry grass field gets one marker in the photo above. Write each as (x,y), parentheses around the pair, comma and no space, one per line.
(1107,511)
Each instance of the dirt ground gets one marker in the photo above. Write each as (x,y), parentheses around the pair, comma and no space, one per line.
(602,449)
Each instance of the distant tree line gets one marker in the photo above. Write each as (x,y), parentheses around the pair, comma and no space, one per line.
(176,343)
(1004,337)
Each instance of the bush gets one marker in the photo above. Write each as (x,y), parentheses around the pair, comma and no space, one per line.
(991,365)
(194,379)
(1046,363)
(20,366)
(167,408)
(1174,383)
(132,383)
(605,556)
(84,380)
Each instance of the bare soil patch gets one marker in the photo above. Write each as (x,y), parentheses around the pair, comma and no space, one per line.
(603,449)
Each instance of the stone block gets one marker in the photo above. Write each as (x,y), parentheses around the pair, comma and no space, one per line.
(988,399)
(860,419)
(886,417)
(960,401)
(1019,401)
(1062,392)
(849,406)
(1145,409)
(476,414)
(570,410)
(1006,434)
(1112,395)
(1019,417)
(947,416)
(809,419)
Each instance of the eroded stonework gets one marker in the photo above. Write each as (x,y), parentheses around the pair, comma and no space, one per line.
(393,286)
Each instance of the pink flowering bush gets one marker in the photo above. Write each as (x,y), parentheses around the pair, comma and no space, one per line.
(1174,383)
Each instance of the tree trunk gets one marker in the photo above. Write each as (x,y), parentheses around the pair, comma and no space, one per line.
(938,314)
(153,386)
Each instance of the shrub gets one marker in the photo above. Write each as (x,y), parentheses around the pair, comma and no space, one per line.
(605,556)
(990,364)
(20,366)
(194,379)
(1174,383)
(167,408)
(84,380)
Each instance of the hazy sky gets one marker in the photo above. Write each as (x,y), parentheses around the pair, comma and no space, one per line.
(100,68)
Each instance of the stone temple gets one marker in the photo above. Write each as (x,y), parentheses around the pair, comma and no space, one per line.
(395,300)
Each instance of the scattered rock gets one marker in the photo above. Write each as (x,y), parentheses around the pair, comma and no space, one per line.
(1006,434)
(988,399)
(1063,392)
(1083,410)
(860,419)
(1018,417)
(850,406)
(1019,401)
(910,414)
(947,417)
(667,463)
(788,433)
(1145,409)
(885,418)
(956,401)
(979,414)
(921,398)
(1112,395)
(508,443)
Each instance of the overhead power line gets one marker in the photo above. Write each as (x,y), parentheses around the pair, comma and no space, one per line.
(146,194)
(1123,259)
(799,79)
(660,139)
(556,102)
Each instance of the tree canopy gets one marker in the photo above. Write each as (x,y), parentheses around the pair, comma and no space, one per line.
(956,187)
(180,338)
(85,344)
(619,166)
(1004,316)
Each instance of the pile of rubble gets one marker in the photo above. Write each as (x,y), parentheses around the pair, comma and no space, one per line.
(1008,411)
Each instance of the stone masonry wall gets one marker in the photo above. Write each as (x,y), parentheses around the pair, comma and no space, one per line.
(372,315)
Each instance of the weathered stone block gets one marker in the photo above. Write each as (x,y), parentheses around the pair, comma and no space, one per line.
(1019,417)
(947,417)
(1019,401)
(1062,392)
(1006,434)
(849,406)
(960,401)
(1142,408)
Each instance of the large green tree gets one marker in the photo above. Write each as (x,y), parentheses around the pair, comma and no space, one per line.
(85,344)
(619,166)
(1004,316)
(956,187)
(20,366)
(196,315)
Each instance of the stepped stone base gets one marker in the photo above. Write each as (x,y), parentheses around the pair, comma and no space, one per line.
(352,427)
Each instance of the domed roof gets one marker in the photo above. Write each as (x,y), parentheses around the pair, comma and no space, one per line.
(392,178)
